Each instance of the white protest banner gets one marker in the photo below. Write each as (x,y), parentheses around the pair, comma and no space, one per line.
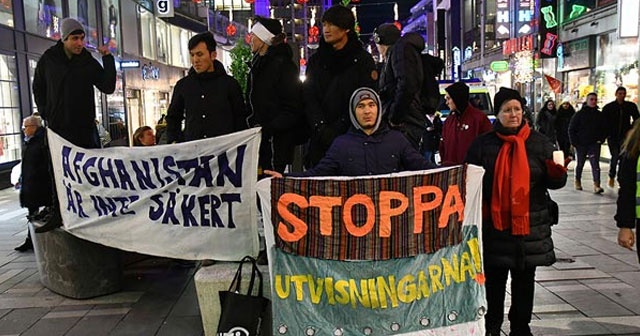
(193,200)
(396,254)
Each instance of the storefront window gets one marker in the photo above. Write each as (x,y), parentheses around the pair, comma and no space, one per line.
(161,41)
(178,53)
(6,13)
(617,65)
(579,86)
(43,17)
(147,33)
(110,19)
(118,122)
(10,118)
(85,12)
(32,70)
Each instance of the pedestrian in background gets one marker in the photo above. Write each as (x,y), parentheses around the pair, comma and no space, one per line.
(35,189)
(401,81)
(143,136)
(516,224)
(563,118)
(274,94)
(208,100)
(462,126)
(546,120)
(627,215)
(432,135)
(619,115)
(587,132)
(340,66)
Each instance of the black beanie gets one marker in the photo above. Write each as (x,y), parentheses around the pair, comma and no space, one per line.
(386,34)
(459,92)
(340,16)
(504,95)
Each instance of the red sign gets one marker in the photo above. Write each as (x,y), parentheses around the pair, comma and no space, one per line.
(517,44)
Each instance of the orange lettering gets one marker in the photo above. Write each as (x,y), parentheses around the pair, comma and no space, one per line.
(448,209)
(299,226)
(386,211)
(420,208)
(359,231)
(325,204)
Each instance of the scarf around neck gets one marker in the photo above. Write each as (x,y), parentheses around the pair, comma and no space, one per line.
(510,196)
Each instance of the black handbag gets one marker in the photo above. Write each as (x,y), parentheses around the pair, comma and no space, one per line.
(554,211)
(245,314)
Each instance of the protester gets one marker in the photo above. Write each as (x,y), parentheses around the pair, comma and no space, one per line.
(35,189)
(369,147)
(545,122)
(339,67)
(587,132)
(516,225)
(161,130)
(563,117)
(462,126)
(274,94)
(63,91)
(208,100)
(618,115)
(627,211)
(143,136)
(401,81)
(432,135)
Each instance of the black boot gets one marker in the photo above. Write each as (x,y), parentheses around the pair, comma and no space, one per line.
(48,222)
(26,246)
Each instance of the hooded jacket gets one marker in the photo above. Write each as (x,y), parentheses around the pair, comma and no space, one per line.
(211,104)
(586,127)
(401,82)
(501,249)
(63,92)
(274,97)
(358,154)
(331,77)
(461,128)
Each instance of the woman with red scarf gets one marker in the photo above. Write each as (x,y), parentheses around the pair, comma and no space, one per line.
(516,228)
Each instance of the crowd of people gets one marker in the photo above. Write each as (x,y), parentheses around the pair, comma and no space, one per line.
(358,119)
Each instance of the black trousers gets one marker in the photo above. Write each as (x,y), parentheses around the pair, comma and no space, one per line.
(522,290)
(614,149)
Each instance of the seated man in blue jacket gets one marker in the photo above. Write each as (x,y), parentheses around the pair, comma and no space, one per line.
(369,147)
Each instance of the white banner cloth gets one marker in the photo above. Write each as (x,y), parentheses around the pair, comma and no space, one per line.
(194,200)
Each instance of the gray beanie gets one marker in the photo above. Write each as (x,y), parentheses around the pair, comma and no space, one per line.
(359,95)
(70,26)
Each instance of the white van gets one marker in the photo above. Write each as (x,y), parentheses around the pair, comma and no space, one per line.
(478,97)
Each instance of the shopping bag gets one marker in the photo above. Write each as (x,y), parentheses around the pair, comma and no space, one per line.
(244,314)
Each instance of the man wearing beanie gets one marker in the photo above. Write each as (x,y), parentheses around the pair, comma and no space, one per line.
(63,91)
(462,126)
(339,67)
(401,81)
(274,94)
(369,147)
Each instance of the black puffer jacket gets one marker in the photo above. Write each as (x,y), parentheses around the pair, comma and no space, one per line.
(401,82)
(211,104)
(587,127)
(618,118)
(331,77)
(625,216)
(274,100)
(501,249)
(63,91)
(35,190)
(563,118)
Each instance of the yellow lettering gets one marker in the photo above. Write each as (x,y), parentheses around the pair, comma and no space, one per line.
(407,289)
(341,287)
(299,280)
(375,303)
(451,271)
(465,266)
(315,289)
(328,284)
(475,253)
(361,294)
(385,289)
(283,293)
(435,272)
(423,285)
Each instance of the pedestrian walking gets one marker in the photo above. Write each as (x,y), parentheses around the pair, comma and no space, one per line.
(563,118)
(546,120)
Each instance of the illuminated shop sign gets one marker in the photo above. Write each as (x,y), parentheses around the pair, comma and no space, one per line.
(514,45)
(129,64)
(525,15)
(548,29)
(503,20)
(574,9)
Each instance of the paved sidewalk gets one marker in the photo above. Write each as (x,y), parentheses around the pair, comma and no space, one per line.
(597,294)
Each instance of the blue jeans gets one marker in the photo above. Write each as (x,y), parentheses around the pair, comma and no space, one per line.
(591,152)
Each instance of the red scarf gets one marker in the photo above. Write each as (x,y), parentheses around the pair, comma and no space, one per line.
(510,199)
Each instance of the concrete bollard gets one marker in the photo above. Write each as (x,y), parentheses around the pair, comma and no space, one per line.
(212,279)
(75,267)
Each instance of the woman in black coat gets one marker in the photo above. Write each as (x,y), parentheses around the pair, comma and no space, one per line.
(545,122)
(563,117)
(626,216)
(516,226)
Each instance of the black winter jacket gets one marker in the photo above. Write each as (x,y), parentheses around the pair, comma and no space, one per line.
(274,97)
(331,77)
(401,82)
(619,119)
(63,91)
(586,127)
(625,216)
(35,189)
(211,104)
(563,118)
(501,249)
(545,123)
(357,154)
